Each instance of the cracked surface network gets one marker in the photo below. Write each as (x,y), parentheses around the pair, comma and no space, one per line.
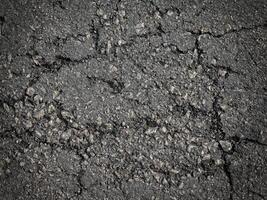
(142,99)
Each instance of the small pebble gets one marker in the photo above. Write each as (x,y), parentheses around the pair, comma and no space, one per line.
(139,27)
(122,13)
(226,145)
(38,134)
(37,98)
(51,108)
(99,12)
(6,107)
(39,115)
(30,91)
(213,61)
(28,124)
(222,72)
(66,135)
(99,121)
(66,115)
(164,130)
(170,13)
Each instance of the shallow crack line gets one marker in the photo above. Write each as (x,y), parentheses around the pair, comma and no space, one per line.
(2,22)
(147,34)
(248,140)
(227,171)
(114,84)
(199,51)
(67,60)
(254,142)
(134,101)
(176,50)
(80,175)
(95,26)
(217,125)
(252,58)
(229,70)
(58,63)
(242,29)
(59,110)
(256,193)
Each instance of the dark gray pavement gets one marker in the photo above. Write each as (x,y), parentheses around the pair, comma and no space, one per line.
(133,99)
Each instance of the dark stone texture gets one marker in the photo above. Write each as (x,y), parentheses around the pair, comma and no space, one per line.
(133,99)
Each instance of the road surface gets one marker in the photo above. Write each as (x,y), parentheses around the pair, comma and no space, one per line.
(133,99)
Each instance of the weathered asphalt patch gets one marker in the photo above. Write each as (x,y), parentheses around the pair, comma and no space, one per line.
(133,99)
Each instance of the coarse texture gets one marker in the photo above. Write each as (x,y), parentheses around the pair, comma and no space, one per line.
(133,99)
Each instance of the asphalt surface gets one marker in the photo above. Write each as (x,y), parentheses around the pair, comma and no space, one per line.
(133,99)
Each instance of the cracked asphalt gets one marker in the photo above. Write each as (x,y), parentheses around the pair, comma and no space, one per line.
(133,99)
